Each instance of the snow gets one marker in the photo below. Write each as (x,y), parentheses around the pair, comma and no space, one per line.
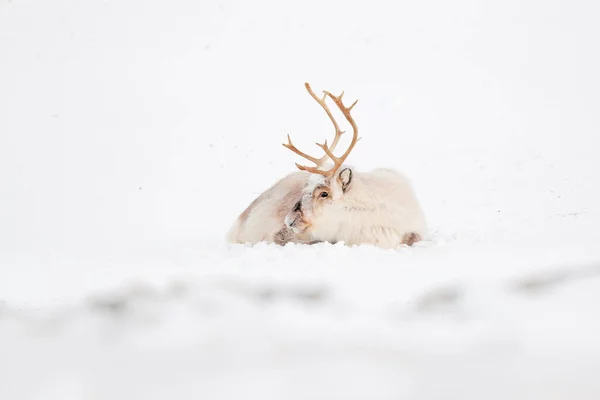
(133,133)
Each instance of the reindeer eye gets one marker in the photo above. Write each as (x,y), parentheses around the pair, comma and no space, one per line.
(324,194)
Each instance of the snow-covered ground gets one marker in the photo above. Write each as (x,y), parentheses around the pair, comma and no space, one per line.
(132,134)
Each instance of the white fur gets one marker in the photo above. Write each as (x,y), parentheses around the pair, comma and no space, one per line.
(264,218)
(379,208)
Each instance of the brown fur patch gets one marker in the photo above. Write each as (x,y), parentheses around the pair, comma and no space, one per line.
(284,236)
(411,238)
(288,201)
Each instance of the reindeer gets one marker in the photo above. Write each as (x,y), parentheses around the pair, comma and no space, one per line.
(337,204)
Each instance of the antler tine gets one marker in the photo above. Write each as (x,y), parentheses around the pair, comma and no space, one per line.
(338,131)
(338,161)
(293,148)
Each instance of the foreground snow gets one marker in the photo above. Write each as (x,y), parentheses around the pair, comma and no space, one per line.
(318,322)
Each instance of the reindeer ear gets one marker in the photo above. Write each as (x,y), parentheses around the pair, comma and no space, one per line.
(345,178)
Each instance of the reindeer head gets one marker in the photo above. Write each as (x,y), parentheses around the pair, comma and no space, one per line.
(326,187)
(322,199)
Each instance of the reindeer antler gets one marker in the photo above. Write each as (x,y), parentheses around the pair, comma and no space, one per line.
(337,161)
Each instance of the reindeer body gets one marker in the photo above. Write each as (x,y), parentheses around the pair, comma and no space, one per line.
(263,219)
